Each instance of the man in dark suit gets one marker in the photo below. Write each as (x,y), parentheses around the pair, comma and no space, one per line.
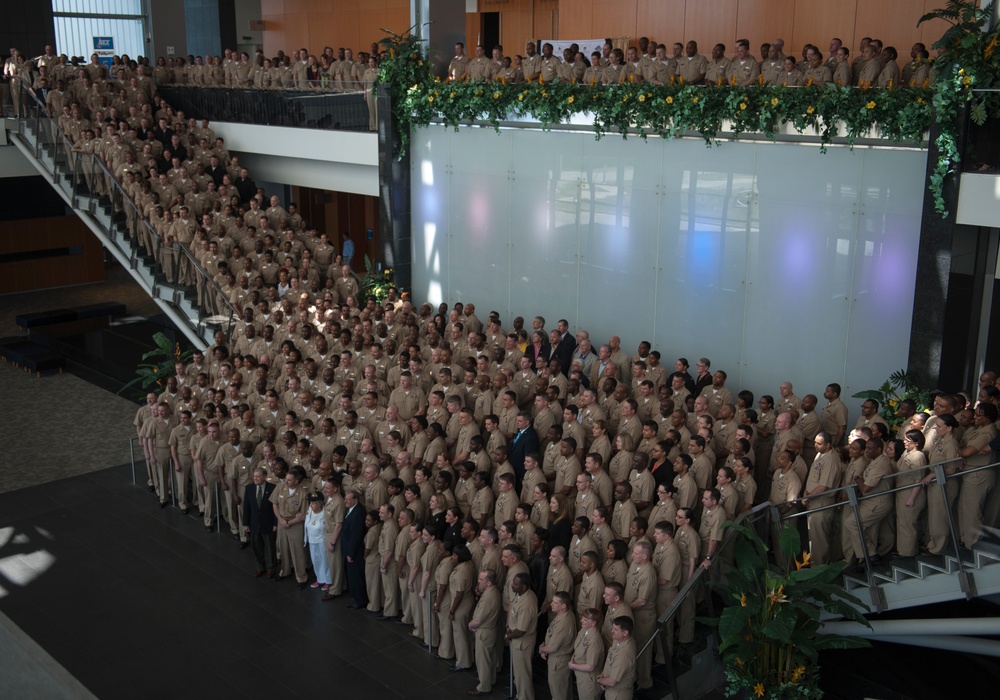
(563,346)
(352,538)
(525,442)
(259,522)
(215,170)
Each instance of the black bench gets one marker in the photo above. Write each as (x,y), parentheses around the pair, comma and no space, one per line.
(11,347)
(100,310)
(43,362)
(45,318)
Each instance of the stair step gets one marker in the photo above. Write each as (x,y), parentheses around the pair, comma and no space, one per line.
(888,572)
(938,562)
(988,548)
(908,566)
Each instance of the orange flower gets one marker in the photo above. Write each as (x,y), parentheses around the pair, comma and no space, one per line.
(758,690)
(990,48)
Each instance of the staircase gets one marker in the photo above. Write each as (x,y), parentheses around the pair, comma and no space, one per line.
(39,140)
(926,579)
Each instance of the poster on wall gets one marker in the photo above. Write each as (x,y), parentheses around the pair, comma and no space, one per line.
(104,47)
(587,46)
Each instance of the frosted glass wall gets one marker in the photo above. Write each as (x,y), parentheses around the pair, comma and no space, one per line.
(775,261)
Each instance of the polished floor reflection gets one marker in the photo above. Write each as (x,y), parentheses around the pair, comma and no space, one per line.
(135,601)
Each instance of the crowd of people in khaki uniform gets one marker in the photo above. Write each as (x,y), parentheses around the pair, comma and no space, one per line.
(521,489)
(491,487)
(660,64)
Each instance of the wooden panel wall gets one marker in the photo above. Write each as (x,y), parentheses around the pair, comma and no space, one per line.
(291,24)
(334,213)
(312,24)
(709,23)
(814,20)
(44,234)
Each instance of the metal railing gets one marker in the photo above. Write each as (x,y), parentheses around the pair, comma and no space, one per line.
(758,518)
(311,109)
(767,518)
(172,485)
(95,192)
(938,484)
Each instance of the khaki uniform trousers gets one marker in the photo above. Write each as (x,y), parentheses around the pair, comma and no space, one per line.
(291,552)
(971,502)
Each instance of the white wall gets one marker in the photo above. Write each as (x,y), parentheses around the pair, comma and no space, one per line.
(12,162)
(979,200)
(342,161)
(775,261)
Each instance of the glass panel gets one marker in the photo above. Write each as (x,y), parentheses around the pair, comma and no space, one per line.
(544,274)
(430,156)
(885,268)
(618,262)
(695,259)
(478,236)
(99,7)
(75,35)
(699,288)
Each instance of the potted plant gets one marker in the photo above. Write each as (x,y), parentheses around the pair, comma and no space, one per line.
(900,385)
(769,635)
(157,365)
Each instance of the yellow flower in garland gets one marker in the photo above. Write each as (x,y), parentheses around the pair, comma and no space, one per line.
(967,81)
(870,105)
(990,48)
(496,95)
(430,98)
(544,94)
(669,100)
(743,106)
(642,98)
(774,101)
(520,98)
(758,690)
(810,109)
(570,100)
(695,100)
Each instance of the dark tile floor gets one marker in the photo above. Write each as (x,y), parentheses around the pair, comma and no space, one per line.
(142,602)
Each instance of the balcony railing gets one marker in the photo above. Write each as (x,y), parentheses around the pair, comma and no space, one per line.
(308,109)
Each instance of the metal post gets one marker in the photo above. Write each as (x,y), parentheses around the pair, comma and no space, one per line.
(218,511)
(510,670)
(173,489)
(878,597)
(131,451)
(965,579)
(429,625)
